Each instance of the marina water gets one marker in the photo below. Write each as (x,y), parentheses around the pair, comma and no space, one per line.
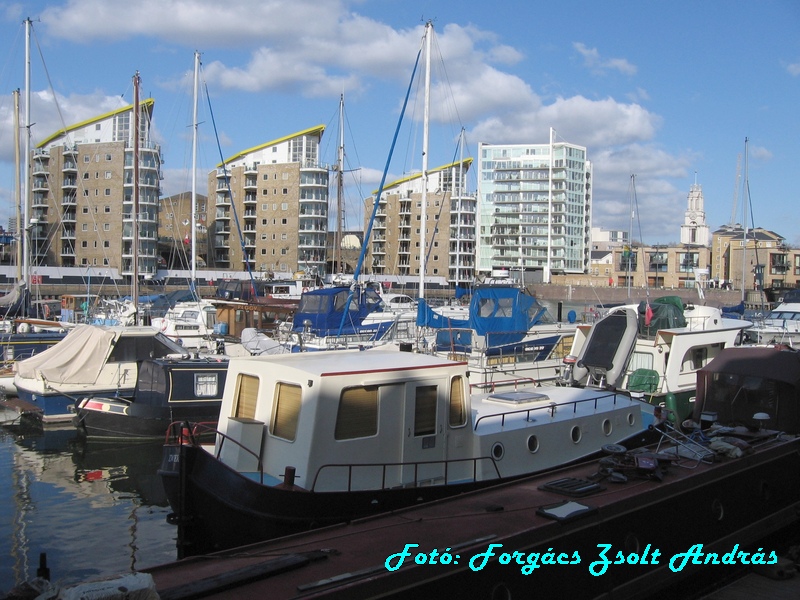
(95,509)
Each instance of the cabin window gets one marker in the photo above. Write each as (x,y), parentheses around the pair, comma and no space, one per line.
(458,414)
(246,395)
(287,411)
(357,415)
(425,410)
(205,385)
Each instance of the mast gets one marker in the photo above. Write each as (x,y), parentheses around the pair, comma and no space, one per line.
(18,186)
(425,127)
(744,225)
(337,255)
(26,215)
(193,284)
(135,198)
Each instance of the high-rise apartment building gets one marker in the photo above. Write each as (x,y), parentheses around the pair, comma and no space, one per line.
(535,207)
(398,238)
(82,194)
(270,207)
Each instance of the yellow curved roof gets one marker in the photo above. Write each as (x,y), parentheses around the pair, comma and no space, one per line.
(146,104)
(311,130)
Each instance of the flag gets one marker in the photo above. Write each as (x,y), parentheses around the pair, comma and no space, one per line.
(648,315)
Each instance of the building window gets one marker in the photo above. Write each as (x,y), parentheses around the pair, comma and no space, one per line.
(107,208)
(108,157)
(106,227)
(107,192)
(284,205)
(108,174)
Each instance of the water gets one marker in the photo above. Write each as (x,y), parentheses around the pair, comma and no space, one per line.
(96,509)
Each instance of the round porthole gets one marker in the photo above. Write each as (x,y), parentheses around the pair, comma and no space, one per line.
(576,434)
(500,592)
(533,444)
(717,509)
(498,451)
(607,427)
(631,419)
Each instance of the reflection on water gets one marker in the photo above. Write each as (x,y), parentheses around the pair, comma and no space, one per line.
(96,509)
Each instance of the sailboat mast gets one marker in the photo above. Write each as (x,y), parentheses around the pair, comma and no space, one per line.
(339,191)
(135,198)
(744,225)
(18,186)
(425,127)
(26,215)
(193,283)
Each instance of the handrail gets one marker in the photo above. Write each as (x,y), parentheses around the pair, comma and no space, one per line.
(180,432)
(550,408)
(351,467)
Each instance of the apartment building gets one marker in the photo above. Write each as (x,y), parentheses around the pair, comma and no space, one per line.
(535,207)
(439,232)
(82,194)
(270,207)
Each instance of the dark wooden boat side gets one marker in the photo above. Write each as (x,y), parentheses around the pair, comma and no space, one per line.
(726,505)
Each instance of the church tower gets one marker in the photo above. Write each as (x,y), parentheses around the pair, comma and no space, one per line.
(694,231)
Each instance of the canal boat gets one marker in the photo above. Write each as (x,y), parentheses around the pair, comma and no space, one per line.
(310,439)
(167,390)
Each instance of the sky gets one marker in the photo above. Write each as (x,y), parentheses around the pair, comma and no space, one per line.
(663,95)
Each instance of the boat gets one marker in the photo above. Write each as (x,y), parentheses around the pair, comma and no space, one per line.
(167,390)
(752,386)
(781,325)
(343,317)
(95,360)
(316,438)
(505,333)
(673,340)
(658,521)
(191,324)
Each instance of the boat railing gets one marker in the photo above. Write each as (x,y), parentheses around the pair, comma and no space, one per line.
(190,434)
(493,386)
(444,479)
(550,408)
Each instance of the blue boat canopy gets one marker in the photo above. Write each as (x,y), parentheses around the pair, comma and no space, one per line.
(504,314)
(326,312)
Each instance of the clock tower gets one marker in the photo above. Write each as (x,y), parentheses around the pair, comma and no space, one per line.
(694,231)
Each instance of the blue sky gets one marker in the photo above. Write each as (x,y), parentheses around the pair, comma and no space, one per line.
(665,91)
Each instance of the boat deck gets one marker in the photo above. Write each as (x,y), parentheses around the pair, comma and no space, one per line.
(349,560)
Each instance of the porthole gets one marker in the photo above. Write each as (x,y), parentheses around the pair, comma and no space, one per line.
(533,444)
(717,509)
(607,427)
(576,434)
(631,419)
(498,451)
(500,592)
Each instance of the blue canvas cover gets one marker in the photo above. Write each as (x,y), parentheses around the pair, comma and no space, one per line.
(504,314)
(322,311)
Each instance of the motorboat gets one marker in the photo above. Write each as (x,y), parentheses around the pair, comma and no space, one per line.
(671,341)
(167,390)
(92,360)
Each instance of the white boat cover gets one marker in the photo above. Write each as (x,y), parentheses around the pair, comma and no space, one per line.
(78,358)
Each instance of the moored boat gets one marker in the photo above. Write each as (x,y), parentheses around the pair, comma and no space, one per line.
(167,390)
(91,360)
(305,440)
(650,521)
(673,340)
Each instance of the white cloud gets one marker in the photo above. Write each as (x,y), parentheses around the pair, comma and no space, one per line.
(599,65)
(794,69)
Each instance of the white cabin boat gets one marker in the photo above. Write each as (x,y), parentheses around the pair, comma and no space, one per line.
(309,439)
